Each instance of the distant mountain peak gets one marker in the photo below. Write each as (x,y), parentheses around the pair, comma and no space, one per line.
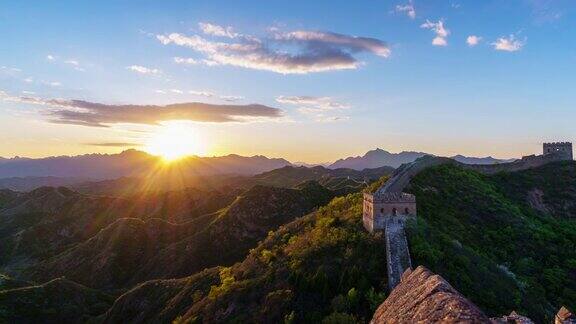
(379,157)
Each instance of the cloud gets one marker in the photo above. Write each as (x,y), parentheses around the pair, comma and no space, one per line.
(320,108)
(321,103)
(201,93)
(75,64)
(473,40)
(408,9)
(216,30)
(113,144)
(231,98)
(183,60)
(72,62)
(143,70)
(508,44)
(296,52)
(52,83)
(438,29)
(86,113)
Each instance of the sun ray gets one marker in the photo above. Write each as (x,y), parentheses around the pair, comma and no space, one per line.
(175,141)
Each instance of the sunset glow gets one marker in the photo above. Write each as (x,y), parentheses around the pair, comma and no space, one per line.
(175,141)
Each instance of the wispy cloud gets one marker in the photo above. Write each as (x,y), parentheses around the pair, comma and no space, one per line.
(295,52)
(75,64)
(70,62)
(113,144)
(11,71)
(86,113)
(320,108)
(473,40)
(143,70)
(186,60)
(408,9)
(216,30)
(231,98)
(509,44)
(440,30)
(201,93)
(52,83)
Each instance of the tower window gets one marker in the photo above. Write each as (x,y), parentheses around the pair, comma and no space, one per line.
(394,211)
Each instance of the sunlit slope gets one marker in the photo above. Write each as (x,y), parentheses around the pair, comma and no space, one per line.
(496,250)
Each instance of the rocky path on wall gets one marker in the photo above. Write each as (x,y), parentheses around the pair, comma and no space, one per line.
(397,253)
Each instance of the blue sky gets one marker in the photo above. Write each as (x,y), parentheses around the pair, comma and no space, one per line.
(331,78)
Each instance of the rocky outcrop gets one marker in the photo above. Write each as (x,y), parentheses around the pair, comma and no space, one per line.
(423,297)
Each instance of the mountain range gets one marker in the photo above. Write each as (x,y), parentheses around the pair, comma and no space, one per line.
(132,163)
(131,166)
(378,157)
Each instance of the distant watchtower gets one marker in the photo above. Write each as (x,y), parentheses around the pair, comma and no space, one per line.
(388,212)
(562,150)
(382,208)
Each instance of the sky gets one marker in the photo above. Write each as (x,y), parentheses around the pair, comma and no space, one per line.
(310,81)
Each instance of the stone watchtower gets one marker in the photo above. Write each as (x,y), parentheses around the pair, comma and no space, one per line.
(388,212)
(561,150)
(382,208)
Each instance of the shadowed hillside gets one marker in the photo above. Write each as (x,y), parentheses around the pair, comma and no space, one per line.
(131,250)
(57,301)
(46,221)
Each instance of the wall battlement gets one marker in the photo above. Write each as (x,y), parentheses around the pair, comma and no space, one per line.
(563,150)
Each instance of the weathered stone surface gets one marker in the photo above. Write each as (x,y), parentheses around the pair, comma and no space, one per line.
(513,318)
(423,297)
(564,316)
(397,252)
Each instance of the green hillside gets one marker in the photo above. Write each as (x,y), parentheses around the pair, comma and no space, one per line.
(483,235)
(495,249)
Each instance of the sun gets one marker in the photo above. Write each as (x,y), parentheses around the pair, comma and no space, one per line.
(174,141)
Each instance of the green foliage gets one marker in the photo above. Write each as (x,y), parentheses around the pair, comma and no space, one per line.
(327,262)
(375,298)
(289,318)
(479,233)
(340,318)
(226,281)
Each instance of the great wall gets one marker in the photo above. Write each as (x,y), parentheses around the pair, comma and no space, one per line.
(389,208)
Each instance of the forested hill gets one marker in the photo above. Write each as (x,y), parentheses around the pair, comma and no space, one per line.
(498,243)
(486,239)
(507,241)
